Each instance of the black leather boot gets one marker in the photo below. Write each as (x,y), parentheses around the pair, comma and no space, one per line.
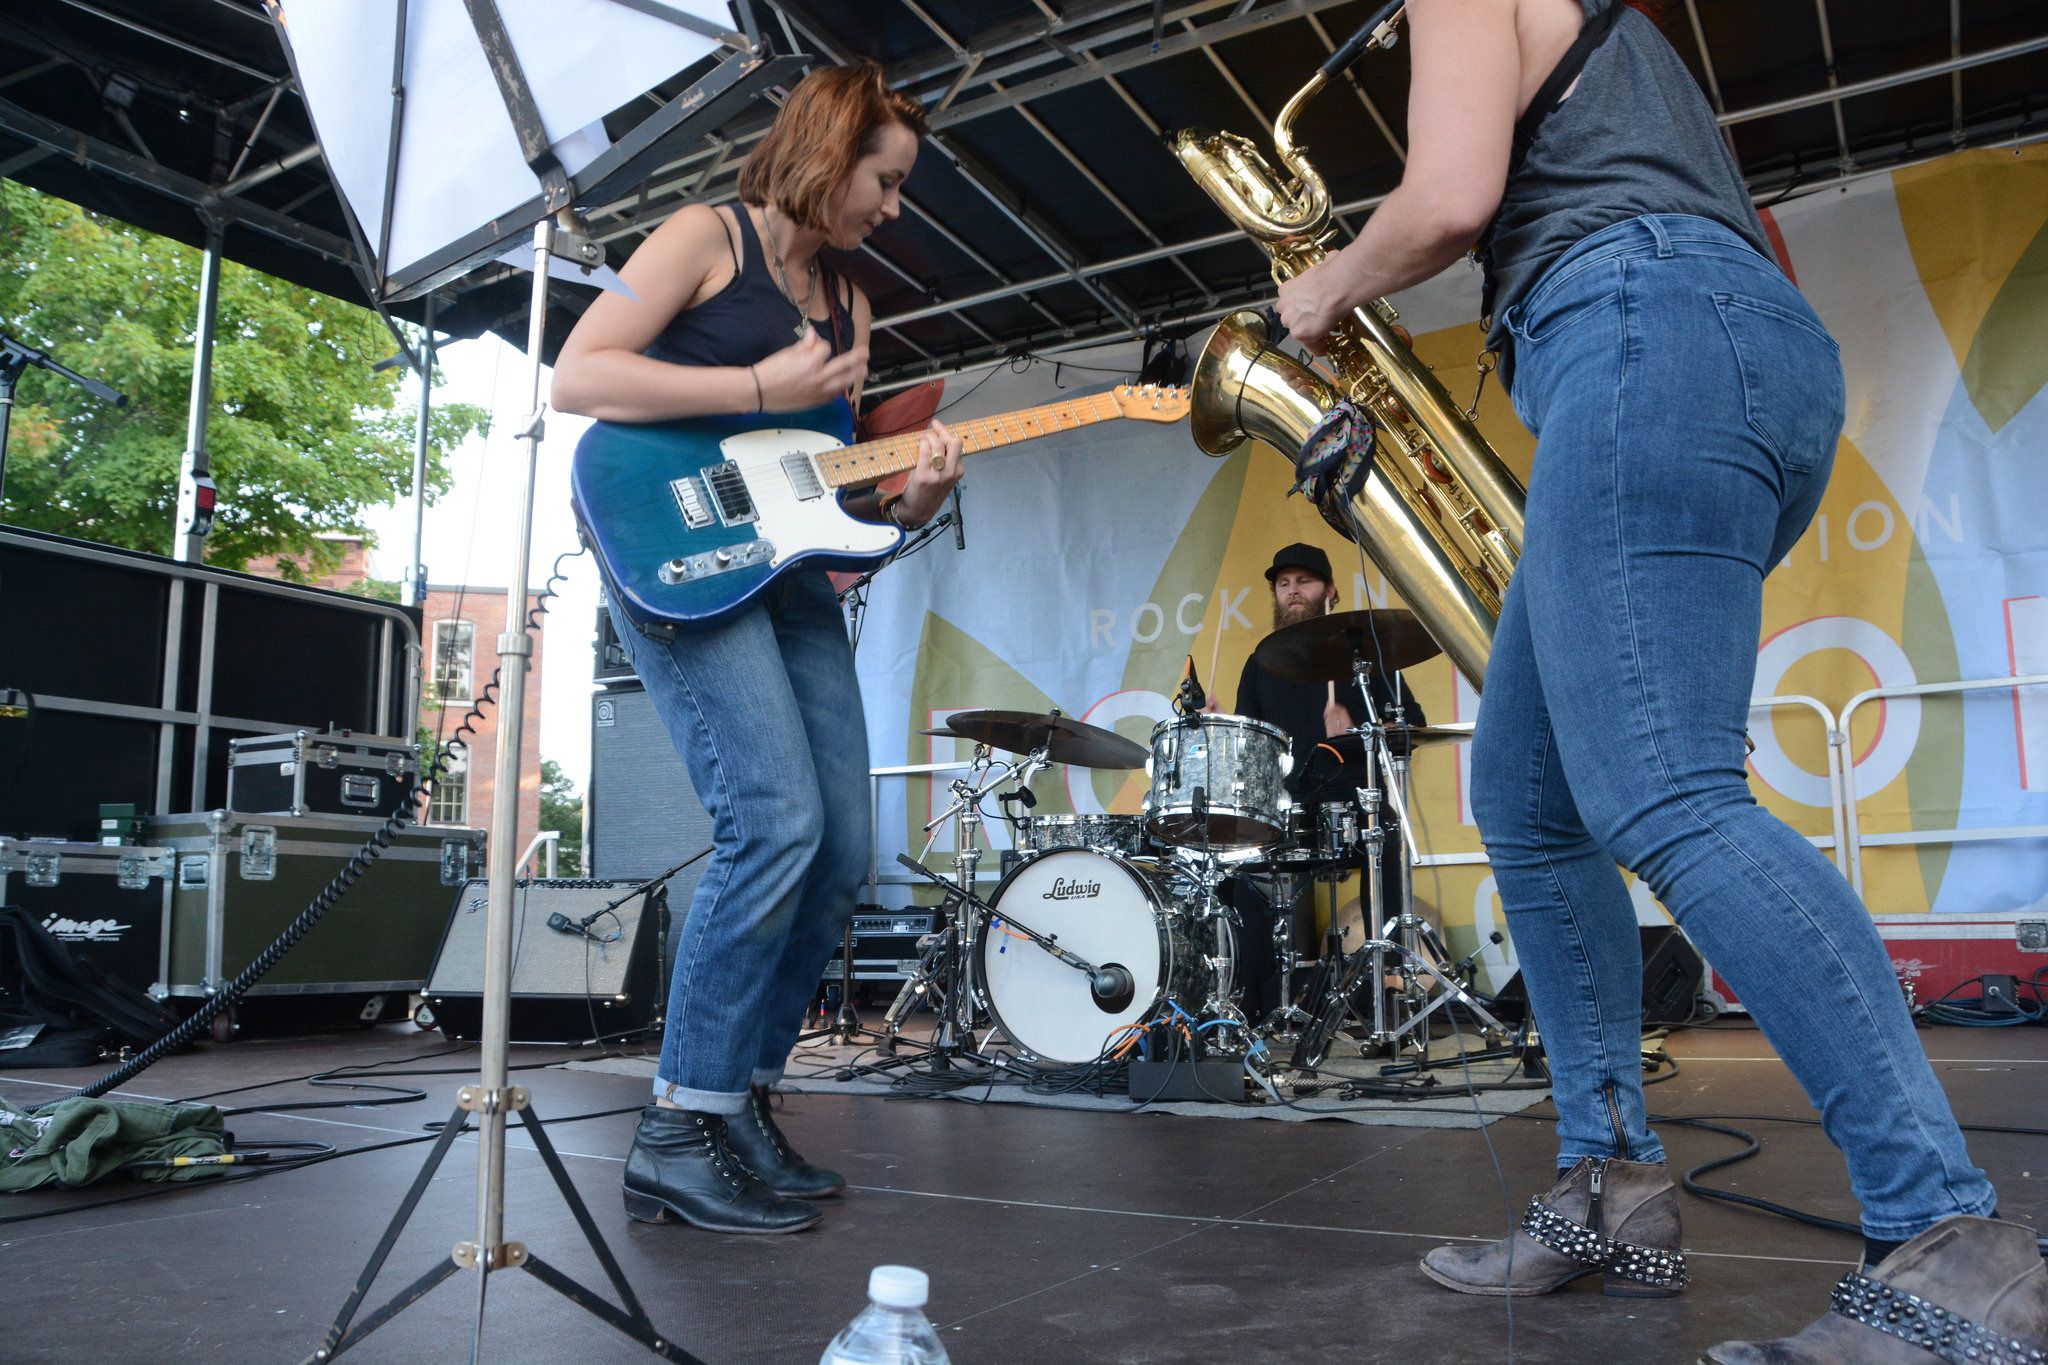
(1616,1219)
(1967,1290)
(752,1136)
(680,1164)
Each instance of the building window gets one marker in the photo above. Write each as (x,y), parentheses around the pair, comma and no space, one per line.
(450,805)
(454,655)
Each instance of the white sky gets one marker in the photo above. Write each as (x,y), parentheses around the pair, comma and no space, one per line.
(472,533)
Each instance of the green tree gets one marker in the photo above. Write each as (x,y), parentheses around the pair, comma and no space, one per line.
(561,807)
(305,437)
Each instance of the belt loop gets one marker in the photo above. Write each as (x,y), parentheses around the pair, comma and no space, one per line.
(1655,224)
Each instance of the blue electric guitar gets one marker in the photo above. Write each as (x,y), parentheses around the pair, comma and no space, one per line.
(694,519)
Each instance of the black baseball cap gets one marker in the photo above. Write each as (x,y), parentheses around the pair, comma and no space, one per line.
(1299,556)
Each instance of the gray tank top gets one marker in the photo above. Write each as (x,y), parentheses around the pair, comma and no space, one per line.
(1635,137)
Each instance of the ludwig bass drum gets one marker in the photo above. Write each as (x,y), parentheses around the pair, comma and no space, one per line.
(1101,908)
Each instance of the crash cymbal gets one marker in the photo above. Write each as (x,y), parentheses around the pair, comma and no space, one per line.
(1065,740)
(1321,648)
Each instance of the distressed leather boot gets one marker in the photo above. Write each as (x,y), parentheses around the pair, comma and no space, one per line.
(753,1137)
(1968,1291)
(1616,1219)
(680,1165)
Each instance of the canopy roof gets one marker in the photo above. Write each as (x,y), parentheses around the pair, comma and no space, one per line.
(1045,210)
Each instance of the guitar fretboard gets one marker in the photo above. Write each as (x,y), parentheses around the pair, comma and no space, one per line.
(871,461)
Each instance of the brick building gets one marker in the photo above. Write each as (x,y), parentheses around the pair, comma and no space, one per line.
(459,634)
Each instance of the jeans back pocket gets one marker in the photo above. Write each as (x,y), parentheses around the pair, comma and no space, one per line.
(1791,369)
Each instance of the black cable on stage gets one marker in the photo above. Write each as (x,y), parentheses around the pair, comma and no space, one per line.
(358,863)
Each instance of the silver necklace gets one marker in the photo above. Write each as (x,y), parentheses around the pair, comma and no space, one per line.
(803,309)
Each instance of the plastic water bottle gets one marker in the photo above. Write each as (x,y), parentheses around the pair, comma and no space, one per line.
(892,1329)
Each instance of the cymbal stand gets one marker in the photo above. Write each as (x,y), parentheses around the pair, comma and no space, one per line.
(944,974)
(1284,1024)
(1389,944)
(1421,976)
(1234,1034)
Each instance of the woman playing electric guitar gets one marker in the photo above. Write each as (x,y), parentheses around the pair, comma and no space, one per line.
(737,316)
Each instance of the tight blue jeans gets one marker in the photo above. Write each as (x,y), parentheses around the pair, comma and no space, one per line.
(1686,402)
(765,709)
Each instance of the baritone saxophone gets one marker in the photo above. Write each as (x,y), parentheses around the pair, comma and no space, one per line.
(1437,511)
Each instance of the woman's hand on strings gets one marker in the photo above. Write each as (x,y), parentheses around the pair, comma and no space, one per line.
(934,476)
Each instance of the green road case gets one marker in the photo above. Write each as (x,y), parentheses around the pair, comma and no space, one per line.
(240,879)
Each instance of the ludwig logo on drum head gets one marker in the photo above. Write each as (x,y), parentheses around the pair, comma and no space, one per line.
(1064,890)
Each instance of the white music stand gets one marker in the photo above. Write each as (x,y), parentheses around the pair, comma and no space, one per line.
(454,130)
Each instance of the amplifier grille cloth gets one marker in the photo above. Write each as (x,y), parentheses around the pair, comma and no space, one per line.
(545,962)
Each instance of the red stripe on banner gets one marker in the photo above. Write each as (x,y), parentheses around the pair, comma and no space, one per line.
(1777,236)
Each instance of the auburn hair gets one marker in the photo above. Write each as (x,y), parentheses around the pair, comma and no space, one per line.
(835,116)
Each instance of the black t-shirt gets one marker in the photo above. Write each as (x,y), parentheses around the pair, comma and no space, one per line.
(1297,708)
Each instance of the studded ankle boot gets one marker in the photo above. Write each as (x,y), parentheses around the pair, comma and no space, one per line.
(1968,1291)
(753,1137)
(680,1165)
(1617,1219)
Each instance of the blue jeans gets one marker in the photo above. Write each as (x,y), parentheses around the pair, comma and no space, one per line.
(765,709)
(1686,402)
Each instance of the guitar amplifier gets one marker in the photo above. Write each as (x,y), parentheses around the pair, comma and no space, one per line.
(567,985)
(886,943)
(612,664)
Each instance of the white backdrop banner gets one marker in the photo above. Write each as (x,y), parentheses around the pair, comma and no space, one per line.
(1097,561)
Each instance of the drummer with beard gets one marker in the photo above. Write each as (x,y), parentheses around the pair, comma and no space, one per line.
(1313,715)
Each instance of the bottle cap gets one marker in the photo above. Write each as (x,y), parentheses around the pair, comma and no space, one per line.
(899,1286)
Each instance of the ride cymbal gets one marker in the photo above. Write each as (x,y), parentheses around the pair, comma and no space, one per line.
(1322,648)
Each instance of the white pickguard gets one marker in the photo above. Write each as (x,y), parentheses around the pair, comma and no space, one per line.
(793,525)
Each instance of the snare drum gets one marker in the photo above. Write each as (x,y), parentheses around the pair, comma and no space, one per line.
(1219,781)
(1123,834)
(1105,910)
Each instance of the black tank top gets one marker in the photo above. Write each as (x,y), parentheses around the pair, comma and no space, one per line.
(750,319)
(1635,137)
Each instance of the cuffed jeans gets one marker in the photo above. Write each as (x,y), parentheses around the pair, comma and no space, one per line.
(1686,402)
(765,709)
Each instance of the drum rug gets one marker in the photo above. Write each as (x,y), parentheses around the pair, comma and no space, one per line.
(1346,1087)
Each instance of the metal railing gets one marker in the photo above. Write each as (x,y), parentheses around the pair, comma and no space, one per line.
(1857,840)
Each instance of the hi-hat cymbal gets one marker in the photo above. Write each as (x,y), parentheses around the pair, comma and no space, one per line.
(1064,739)
(1322,648)
(1401,739)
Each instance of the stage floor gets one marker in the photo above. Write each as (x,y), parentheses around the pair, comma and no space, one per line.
(1050,1235)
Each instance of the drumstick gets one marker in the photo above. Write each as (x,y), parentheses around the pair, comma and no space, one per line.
(1216,649)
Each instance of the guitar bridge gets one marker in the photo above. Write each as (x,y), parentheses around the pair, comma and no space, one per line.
(689,496)
(803,476)
(729,491)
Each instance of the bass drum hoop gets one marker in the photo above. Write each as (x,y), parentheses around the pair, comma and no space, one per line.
(1172,947)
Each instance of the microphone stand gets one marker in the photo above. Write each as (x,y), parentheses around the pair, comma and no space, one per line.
(15,359)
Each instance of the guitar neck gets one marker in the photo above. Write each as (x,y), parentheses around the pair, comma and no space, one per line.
(873,461)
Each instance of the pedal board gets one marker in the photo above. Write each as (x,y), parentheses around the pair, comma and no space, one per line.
(1218,1080)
